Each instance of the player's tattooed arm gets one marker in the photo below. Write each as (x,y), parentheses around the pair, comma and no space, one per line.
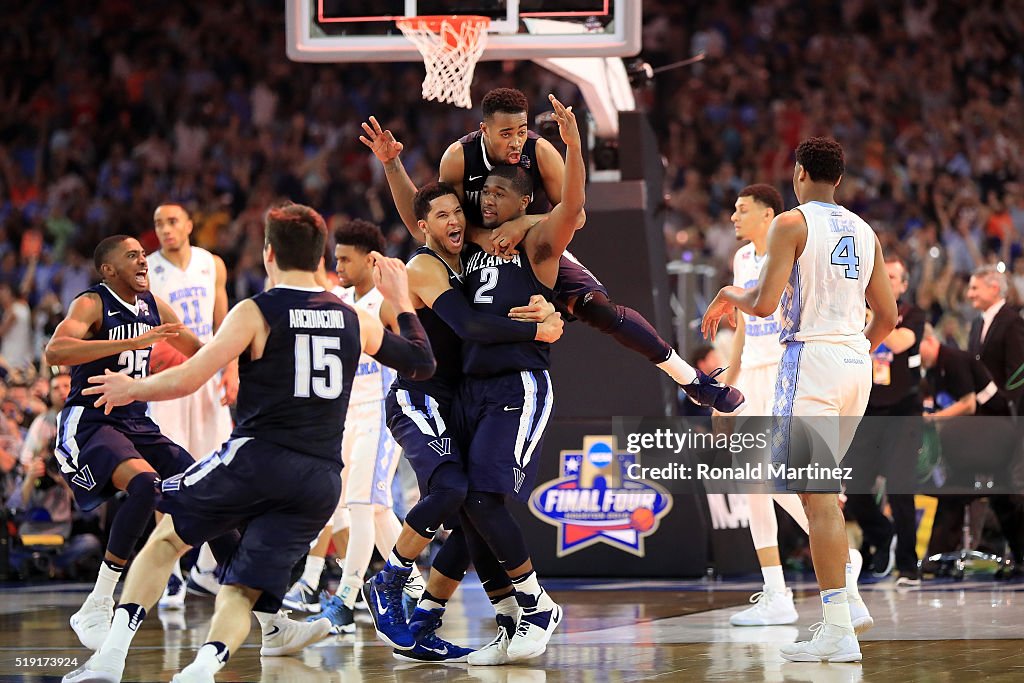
(72,342)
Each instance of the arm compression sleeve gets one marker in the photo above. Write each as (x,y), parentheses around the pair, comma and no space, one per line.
(410,354)
(485,328)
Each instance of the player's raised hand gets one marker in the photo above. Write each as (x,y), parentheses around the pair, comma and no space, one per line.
(390,277)
(159,333)
(113,388)
(718,308)
(381,142)
(536,311)
(567,127)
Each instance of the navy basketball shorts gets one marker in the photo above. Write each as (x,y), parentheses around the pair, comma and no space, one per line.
(502,419)
(574,282)
(90,446)
(420,424)
(281,497)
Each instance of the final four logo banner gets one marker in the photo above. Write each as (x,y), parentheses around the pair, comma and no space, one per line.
(594,501)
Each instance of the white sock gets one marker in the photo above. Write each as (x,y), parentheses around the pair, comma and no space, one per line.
(836,607)
(176,571)
(773,578)
(206,562)
(528,584)
(348,589)
(126,622)
(106,582)
(311,572)
(678,369)
(852,573)
(210,658)
(508,607)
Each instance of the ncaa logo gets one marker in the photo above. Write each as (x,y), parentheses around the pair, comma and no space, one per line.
(600,454)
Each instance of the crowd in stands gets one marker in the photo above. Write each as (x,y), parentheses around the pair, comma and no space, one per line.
(108,108)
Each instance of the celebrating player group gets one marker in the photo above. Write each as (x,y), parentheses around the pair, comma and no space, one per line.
(444,361)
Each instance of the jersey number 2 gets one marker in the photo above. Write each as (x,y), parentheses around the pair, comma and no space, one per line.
(488,281)
(312,353)
(845,254)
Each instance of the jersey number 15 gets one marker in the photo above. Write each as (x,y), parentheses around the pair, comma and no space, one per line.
(313,354)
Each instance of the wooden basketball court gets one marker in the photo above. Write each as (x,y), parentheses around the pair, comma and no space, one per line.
(614,631)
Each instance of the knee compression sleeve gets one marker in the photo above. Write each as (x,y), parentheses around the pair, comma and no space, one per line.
(452,560)
(445,494)
(496,525)
(625,325)
(134,515)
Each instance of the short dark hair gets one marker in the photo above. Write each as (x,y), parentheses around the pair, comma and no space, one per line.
(298,234)
(428,193)
(103,249)
(505,101)
(361,234)
(765,195)
(522,181)
(822,158)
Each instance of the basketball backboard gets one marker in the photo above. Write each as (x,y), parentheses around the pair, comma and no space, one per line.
(365,30)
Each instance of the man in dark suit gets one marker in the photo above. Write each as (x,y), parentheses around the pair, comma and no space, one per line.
(997,340)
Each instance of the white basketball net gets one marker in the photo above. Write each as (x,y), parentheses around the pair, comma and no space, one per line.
(451,47)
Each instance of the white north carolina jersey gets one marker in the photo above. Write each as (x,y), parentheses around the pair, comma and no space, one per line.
(372,379)
(824,298)
(190,292)
(761,344)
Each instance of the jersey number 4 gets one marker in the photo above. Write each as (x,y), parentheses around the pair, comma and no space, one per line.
(845,254)
(314,354)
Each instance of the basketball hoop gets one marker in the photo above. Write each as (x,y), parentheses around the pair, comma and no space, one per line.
(451,46)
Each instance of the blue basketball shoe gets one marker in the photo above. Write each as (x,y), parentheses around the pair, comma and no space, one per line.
(384,598)
(334,610)
(706,391)
(429,647)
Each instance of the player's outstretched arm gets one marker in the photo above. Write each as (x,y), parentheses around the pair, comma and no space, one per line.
(410,353)
(241,326)
(70,346)
(563,221)
(884,312)
(387,150)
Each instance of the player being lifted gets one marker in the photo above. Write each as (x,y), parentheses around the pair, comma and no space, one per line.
(504,140)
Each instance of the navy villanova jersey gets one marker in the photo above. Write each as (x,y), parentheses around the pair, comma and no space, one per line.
(478,165)
(296,394)
(446,345)
(120,321)
(495,285)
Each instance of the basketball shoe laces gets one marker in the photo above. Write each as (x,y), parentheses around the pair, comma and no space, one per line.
(393,590)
